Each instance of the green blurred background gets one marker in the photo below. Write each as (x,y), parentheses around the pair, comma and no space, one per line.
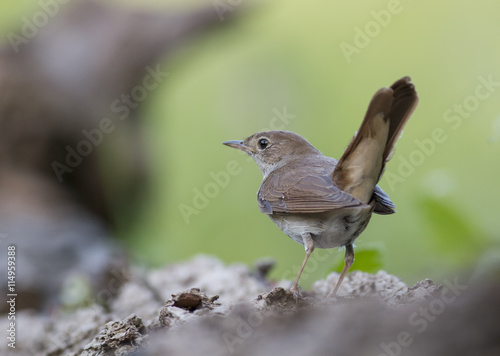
(287,57)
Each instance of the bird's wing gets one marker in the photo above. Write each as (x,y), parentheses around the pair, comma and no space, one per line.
(302,191)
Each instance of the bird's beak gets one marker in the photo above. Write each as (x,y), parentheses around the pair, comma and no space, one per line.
(239,145)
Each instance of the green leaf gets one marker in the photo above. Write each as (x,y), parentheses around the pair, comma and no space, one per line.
(451,233)
(368,259)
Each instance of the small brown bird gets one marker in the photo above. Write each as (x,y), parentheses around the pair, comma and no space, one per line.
(319,201)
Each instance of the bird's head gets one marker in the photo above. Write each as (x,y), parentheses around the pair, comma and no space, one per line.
(272,149)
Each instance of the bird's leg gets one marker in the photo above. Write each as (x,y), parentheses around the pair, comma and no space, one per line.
(348,260)
(309,246)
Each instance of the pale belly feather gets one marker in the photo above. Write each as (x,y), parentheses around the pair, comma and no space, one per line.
(329,229)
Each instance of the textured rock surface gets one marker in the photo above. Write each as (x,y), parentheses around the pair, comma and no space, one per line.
(163,312)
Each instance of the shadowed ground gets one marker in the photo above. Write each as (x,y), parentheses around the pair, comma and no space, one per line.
(203,307)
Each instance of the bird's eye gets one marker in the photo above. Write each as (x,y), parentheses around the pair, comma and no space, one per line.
(263,143)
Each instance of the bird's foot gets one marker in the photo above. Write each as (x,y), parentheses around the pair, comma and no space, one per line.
(332,297)
(296,292)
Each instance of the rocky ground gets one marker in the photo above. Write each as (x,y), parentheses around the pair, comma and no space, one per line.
(203,307)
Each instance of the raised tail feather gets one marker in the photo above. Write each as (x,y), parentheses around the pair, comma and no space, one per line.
(361,166)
